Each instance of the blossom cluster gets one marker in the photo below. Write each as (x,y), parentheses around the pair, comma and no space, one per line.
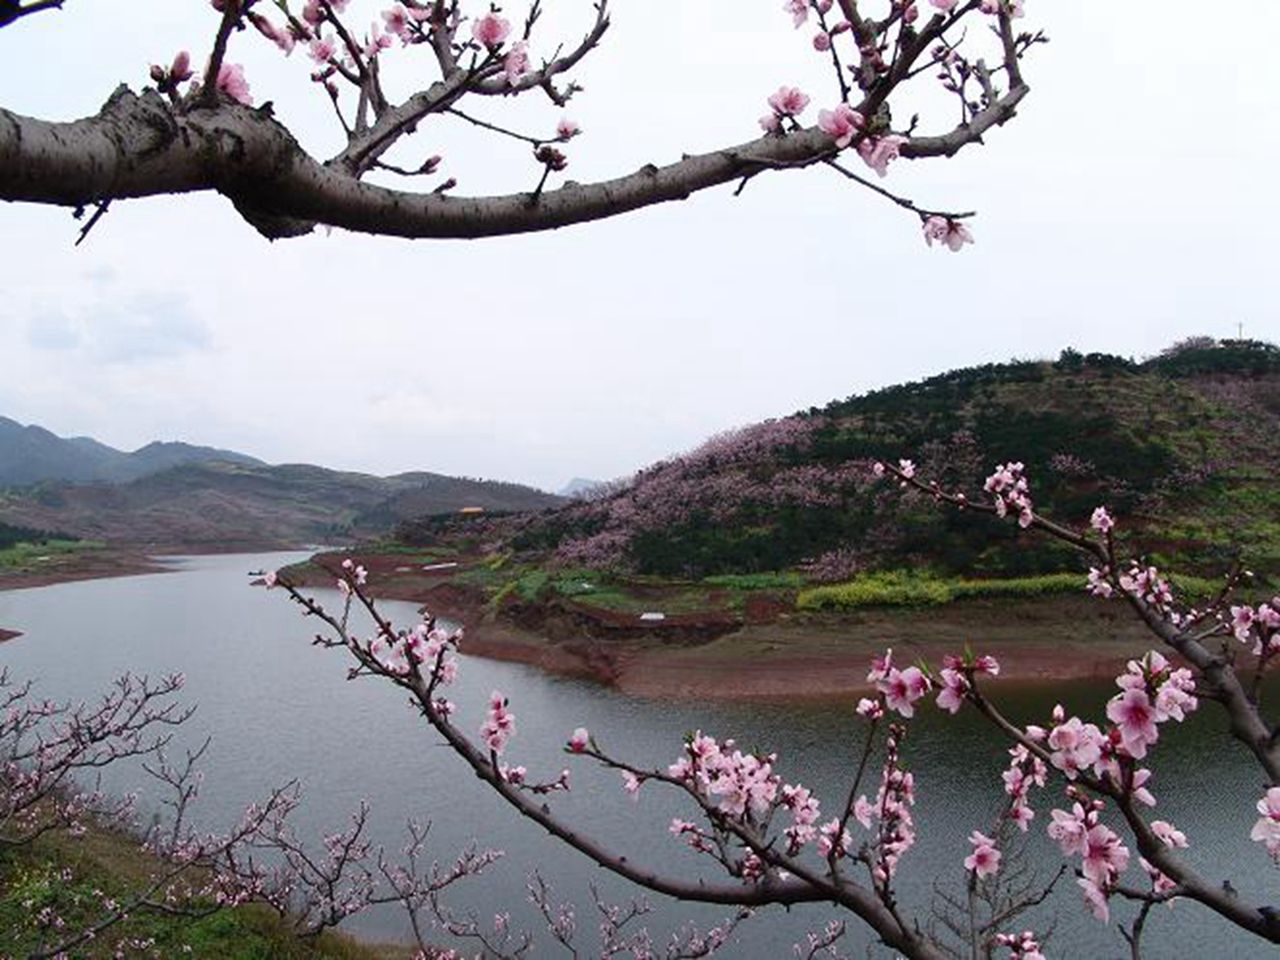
(1022,946)
(952,234)
(957,678)
(1009,490)
(499,724)
(341,52)
(876,52)
(1258,626)
(1267,830)
(745,789)
(894,827)
(742,785)
(899,689)
(1103,855)
(805,813)
(1025,771)
(1152,692)
(425,645)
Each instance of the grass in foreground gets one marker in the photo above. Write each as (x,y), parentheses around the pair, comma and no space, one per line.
(71,876)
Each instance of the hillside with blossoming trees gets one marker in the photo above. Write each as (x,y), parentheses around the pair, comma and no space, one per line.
(787,516)
(1182,445)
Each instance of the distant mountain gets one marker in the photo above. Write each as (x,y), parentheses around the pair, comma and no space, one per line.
(176,494)
(32,454)
(1183,447)
(219,504)
(578,487)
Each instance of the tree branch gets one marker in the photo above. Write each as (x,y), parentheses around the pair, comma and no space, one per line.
(12,10)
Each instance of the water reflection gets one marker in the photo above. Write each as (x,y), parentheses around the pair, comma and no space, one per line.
(280,709)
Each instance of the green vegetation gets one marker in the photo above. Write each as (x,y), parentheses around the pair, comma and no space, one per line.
(786,580)
(576,583)
(412,553)
(531,584)
(11,535)
(902,589)
(676,599)
(63,874)
(25,555)
(890,588)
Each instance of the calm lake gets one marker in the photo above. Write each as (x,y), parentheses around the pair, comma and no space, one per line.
(279,708)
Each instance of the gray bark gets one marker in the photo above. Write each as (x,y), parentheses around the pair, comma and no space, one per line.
(142,145)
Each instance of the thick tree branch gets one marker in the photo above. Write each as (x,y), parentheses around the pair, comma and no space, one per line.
(139,145)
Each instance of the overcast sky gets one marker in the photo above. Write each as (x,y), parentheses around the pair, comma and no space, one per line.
(1133,202)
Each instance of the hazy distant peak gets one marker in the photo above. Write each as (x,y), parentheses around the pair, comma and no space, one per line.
(578,487)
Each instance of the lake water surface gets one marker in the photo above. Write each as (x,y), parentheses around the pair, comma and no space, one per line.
(279,708)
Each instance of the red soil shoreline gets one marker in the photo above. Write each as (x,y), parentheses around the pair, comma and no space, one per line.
(794,656)
(782,662)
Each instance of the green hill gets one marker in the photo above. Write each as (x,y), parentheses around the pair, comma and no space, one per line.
(1182,448)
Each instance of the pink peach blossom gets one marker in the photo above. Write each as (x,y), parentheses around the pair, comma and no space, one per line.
(1076,746)
(954,688)
(397,21)
(984,861)
(490,30)
(788,102)
(1105,857)
(1095,898)
(1069,829)
(903,688)
(322,49)
(1169,835)
(499,726)
(1267,829)
(841,124)
(1098,584)
(1134,715)
(1101,521)
(516,63)
(232,82)
(950,233)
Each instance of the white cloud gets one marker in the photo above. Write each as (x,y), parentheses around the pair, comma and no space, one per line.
(129,330)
